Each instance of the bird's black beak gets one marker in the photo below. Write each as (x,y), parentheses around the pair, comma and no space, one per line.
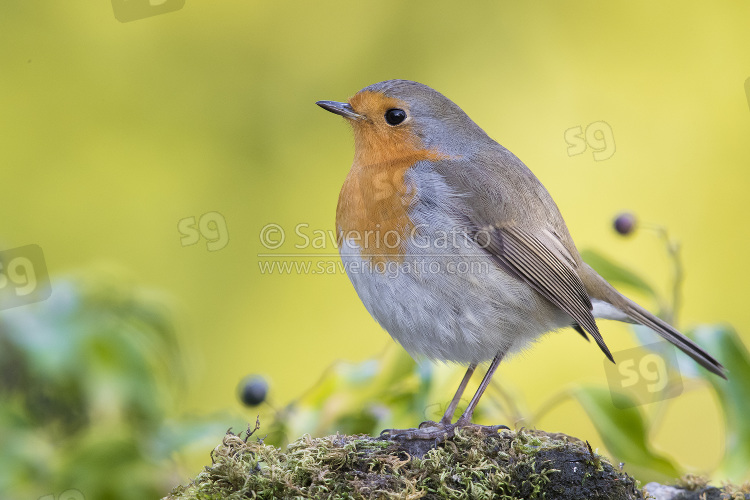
(340,108)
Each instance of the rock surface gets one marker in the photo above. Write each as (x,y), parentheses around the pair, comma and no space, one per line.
(658,491)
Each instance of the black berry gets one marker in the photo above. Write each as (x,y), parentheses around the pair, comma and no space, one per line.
(253,390)
(625,223)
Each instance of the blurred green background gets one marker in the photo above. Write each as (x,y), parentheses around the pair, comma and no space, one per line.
(113,133)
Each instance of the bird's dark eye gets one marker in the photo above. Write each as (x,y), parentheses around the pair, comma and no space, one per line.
(395,116)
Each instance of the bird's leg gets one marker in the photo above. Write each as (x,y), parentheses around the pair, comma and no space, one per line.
(465,418)
(444,429)
(448,416)
(457,397)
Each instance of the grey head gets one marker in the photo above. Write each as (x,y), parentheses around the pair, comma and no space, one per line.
(436,120)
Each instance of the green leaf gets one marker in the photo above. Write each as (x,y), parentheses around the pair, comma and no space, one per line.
(615,273)
(733,395)
(624,432)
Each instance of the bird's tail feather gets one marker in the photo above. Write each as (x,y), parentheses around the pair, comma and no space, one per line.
(599,288)
(645,318)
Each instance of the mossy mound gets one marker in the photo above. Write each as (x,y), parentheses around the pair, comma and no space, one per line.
(508,465)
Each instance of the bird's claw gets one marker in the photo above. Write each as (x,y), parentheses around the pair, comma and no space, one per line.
(433,432)
(438,431)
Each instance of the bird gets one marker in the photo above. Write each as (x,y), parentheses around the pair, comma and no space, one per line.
(456,248)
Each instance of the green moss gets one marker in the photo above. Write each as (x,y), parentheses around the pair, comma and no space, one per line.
(697,488)
(692,482)
(509,465)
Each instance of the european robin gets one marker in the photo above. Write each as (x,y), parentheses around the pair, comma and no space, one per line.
(456,248)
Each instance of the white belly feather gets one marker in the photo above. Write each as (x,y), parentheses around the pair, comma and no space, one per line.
(450,304)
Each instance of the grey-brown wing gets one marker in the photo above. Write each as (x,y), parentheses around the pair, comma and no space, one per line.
(531,260)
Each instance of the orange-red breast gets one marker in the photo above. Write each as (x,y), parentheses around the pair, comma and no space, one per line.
(456,248)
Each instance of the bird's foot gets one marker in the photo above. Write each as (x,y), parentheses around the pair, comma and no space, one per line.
(429,431)
(438,431)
